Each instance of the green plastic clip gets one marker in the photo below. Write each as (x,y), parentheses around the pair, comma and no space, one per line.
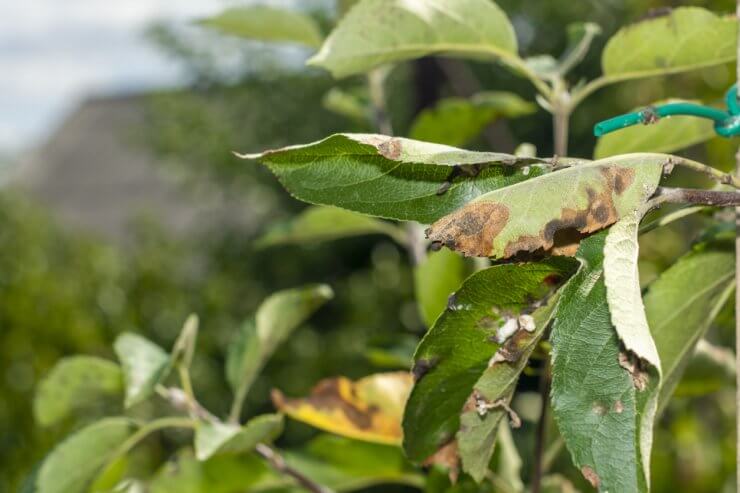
(726,123)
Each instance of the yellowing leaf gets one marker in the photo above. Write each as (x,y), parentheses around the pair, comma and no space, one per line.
(550,212)
(368,409)
(376,32)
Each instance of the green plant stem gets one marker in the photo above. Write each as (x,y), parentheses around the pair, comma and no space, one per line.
(146,430)
(713,173)
(376,85)
(670,217)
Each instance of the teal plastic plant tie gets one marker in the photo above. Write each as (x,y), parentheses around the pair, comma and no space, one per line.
(726,123)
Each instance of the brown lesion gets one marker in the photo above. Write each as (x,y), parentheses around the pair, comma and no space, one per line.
(473,228)
(390,148)
(329,395)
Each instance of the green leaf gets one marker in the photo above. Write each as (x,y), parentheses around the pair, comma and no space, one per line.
(435,278)
(457,121)
(688,38)
(74,385)
(551,211)
(215,437)
(376,32)
(354,105)
(347,465)
(320,223)
(457,349)
(73,465)
(392,177)
(595,397)
(492,393)
(225,473)
(667,135)
(184,348)
(681,304)
(144,366)
(264,23)
(277,317)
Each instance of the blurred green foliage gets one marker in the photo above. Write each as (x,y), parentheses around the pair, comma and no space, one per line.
(64,293)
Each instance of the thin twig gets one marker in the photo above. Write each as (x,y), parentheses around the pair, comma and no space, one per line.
(278,463)
(180,401)
(666,195)
(713,173)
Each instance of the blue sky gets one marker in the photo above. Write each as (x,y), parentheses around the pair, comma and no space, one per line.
(53,53)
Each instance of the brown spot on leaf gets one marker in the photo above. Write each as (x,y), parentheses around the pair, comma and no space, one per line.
(327,394)
(390,148)
(618,407)
(471,229)
(421,368)
(591,476)
(513,348)
(636,368)
(448,458)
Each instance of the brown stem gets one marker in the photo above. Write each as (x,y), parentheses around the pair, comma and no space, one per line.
(695,197)
(278,463)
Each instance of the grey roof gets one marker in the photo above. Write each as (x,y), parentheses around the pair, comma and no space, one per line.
(96,173)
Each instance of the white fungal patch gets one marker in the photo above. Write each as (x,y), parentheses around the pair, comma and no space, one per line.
(508,329)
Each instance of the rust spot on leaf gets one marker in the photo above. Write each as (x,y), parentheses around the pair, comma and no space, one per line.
(618,407)
(327,395)
(591,476)
(471,229)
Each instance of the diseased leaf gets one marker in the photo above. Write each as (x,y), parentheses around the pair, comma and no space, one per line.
(76,384)
(319,223)
(263,23)
(599,394)
(144,365)
(688,38)
(667,135)
(435,278)
(682,303)
(349,465)
(369,409)
(393,177)
(550,212)
(492,393)
(224,438)
(623,293)
(73,465)
(376,32)
(457,121)
(490,306)
(277,317)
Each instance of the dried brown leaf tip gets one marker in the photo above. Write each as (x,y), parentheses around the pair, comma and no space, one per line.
(448,458)
(488,228)
(636,368)
(367,409)
(591,476)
